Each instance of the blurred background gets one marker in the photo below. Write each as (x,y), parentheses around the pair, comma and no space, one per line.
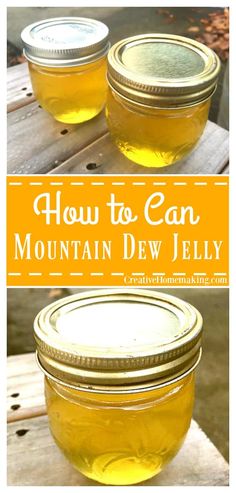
(208,25)
(211,405)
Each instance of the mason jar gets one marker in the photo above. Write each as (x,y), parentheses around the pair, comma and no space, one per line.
(119,371)
(160,89)
(67,65)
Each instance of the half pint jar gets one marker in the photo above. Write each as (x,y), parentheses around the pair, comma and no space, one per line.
(160,87)
(67,65)
(119,379)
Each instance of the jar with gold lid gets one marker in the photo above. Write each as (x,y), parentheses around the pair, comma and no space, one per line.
(119,379)
(160,88)
(67,65)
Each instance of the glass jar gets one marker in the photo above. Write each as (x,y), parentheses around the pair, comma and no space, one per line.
(67,65)
(160,87)
(119,379)
(120,439)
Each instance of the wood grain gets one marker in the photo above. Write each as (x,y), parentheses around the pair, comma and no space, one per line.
(34,460)
(19,89)
(226,170)
(210,156)
(24,378)
(37,143)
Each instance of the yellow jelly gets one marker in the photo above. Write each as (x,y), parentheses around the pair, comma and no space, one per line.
(73,94)
(154,137)
(120,439)
(119,371)
(159,97)
(67,65)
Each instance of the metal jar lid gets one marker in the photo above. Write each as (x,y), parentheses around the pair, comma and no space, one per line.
(163,70)
(118,339)
(65,41)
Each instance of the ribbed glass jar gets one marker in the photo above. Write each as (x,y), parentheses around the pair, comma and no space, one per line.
(119,371)
(67,65)
(159,96)
(154,137)
(120,439)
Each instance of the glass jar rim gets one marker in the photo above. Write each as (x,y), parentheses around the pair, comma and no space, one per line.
(85,40)
(159,106)
(119,390)
(137,77)
(76,343)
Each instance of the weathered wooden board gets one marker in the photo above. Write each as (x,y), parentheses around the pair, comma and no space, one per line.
(226,170)
(19,89)
(37,143)
(25,389)
(209,157)
(34,459)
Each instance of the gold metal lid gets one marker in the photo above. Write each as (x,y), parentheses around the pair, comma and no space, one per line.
(163,70)
(65,41)
(121,337)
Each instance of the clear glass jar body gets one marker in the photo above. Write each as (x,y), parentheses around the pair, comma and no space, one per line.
(71,94)
(120,439)
(154,137)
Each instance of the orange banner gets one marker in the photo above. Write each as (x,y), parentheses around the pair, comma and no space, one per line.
(112,231)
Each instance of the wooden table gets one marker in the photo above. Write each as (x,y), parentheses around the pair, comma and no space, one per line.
(34,459)
(38,144)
